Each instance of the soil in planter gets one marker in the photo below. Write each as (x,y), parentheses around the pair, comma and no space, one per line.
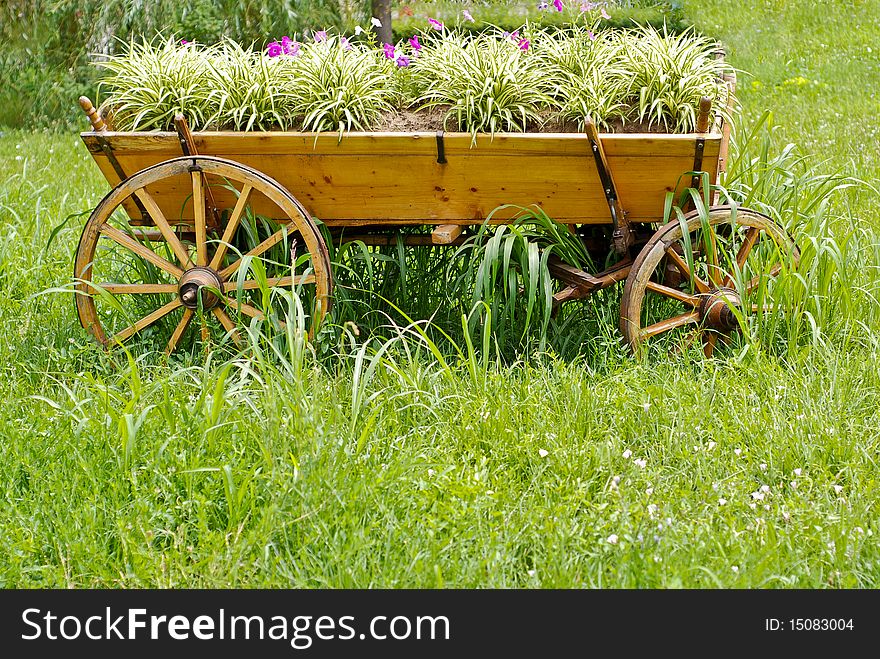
(432,119)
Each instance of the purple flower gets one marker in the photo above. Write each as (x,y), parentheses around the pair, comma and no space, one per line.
(389,51)
(183,42)
(591,35)
(557,4)
(588,6)
(414,42)
(542,6)
(345,43)
(402,61)
(524,44)
(320,36)
(434,23)
(273,49)
(467,16)
(604,14)
(289,46)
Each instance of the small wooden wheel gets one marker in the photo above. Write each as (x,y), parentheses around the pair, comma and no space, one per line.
(179,259)
(695,284)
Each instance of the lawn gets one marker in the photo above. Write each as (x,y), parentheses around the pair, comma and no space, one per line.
(404,469)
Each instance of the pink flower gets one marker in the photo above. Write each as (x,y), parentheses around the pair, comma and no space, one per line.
(402,61)
(524,44)
(346,45)
(320,36)
(591,35)
(467,16)
(604,14)
(434,23)
(274,49)
(414,42)
(557,4)
(289,46)
(389,51)
(183,42)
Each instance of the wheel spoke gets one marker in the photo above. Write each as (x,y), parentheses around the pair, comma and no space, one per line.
(709,342)
(674,293)
(241,307)
(712,265)
(165,228)
(272,240)
(146,321)
(199,214)
(272,282)
(179,330)
(231,226)
(134,289)
(133,245)
(227,323)
(682,266)
(754,281)
(745,249)
(669,323)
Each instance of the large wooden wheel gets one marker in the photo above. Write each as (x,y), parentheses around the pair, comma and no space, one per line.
(697,277)
(152,278)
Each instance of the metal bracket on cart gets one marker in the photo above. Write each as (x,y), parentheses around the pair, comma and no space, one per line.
(621,235)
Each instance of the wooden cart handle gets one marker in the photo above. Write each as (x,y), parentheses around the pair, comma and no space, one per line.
(704,115)
(94,116)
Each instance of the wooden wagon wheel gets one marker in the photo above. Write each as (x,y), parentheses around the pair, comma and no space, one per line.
(692,285)
(132,280)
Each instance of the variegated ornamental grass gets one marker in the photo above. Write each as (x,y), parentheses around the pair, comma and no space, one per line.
(528,80)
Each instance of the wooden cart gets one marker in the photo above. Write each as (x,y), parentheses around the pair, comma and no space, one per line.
(206,224)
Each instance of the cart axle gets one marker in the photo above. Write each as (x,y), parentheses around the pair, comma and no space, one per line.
(200,282)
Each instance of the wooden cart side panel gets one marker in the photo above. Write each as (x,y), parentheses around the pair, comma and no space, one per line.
(395,178)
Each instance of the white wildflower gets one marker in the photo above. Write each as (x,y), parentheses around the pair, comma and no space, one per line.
(722,502)
(376,22)
(649,491)
(797,471)
(758,495)
(735,568)
(532,573)
(711,445)
(737,451)
(641,463)
(838,489)
(794,485)
(652,509)
(626,454)
(358,30)
(543,452)
(612,539)
(763,466)
(765,489)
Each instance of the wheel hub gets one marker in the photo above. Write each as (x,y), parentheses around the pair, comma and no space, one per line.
(716,309)
(200,284)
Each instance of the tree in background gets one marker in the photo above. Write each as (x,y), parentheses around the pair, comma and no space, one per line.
(382,11)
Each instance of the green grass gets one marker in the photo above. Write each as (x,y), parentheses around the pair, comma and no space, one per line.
(384,463)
